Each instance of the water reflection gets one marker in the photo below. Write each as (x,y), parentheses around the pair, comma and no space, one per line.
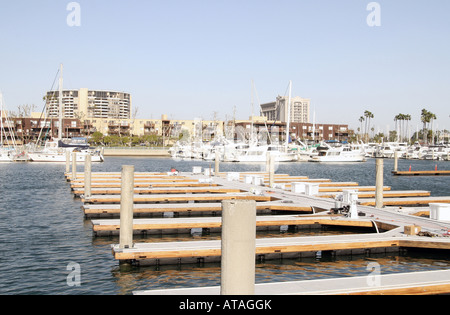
(130,278)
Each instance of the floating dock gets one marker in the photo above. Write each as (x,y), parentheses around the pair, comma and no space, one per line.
(275,248)
(421,173)
(168,198)
(414,283)
(283,223)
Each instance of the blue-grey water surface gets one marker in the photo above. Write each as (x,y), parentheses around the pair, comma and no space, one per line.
(42,231)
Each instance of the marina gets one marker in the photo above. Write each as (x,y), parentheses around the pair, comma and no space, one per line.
(385,231)
(232,148)
(271,216)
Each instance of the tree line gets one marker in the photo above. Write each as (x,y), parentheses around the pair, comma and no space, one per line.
(98,139)
(402,130)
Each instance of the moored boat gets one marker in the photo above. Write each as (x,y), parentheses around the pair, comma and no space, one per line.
(342,153)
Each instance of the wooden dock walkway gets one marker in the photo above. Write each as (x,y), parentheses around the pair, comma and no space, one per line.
(421,173)
(386,194)
(413,201)
(160,190)
(171,197)
(205,188)
(186,209)
(413,283)
(157,198)
(274,248)
(214,224)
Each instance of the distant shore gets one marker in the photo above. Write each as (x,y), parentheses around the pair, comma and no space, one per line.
(122,151)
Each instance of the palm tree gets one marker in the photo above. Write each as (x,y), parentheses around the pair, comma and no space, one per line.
(361,119)
(408,119)
(401,127)
(426,117)
(368,116)
(432,118)
(397,119)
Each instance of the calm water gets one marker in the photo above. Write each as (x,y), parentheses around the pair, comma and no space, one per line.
(42,231)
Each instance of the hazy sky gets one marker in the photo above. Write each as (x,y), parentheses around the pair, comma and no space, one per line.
(191,58)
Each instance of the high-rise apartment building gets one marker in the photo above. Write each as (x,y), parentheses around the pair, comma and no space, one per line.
(278,110)
(89,104)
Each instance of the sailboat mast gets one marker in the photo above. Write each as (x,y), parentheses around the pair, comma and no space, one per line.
(60,103)
(314,126)
(1,119)
(288,124)
(251,130)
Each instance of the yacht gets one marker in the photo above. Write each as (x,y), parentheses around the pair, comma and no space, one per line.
(415,152)
(259,154)
(55,151)
(347,153)
(436,152)
(6,154)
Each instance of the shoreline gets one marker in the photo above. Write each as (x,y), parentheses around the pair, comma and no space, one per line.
(136,152)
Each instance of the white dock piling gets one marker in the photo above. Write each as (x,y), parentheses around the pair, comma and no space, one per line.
(87,176)
(271,171)
(379,184)
(395,161)
(126,207)
(67,162)
(238,247)
(217,164)
(74,165)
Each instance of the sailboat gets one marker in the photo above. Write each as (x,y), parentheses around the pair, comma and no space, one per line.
(55,150)
(258,153)
(7,153)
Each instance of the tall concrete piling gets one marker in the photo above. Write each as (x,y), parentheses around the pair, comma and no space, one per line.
(395,161)
(126,207)
(67,162)
(87,176)
(271,171)
(238,247)
(74,165)
(217,164)
(379,184)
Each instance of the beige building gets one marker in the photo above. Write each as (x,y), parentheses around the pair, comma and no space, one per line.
(278,110)
(196,128)
(89,104)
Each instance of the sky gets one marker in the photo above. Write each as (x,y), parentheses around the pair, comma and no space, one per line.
(197,58)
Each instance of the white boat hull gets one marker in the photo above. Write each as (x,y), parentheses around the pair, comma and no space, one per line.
(54,157)
(337,159)
(260,159)
(4,158)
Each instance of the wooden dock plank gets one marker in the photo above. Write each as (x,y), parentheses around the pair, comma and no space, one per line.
(139,180)
(358,188)
(161,190)
(421,173)
(216,223)
(407,201)
(147,209)
(147,185)
(274,246)
(423,282)
(386,194)
(176,198)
